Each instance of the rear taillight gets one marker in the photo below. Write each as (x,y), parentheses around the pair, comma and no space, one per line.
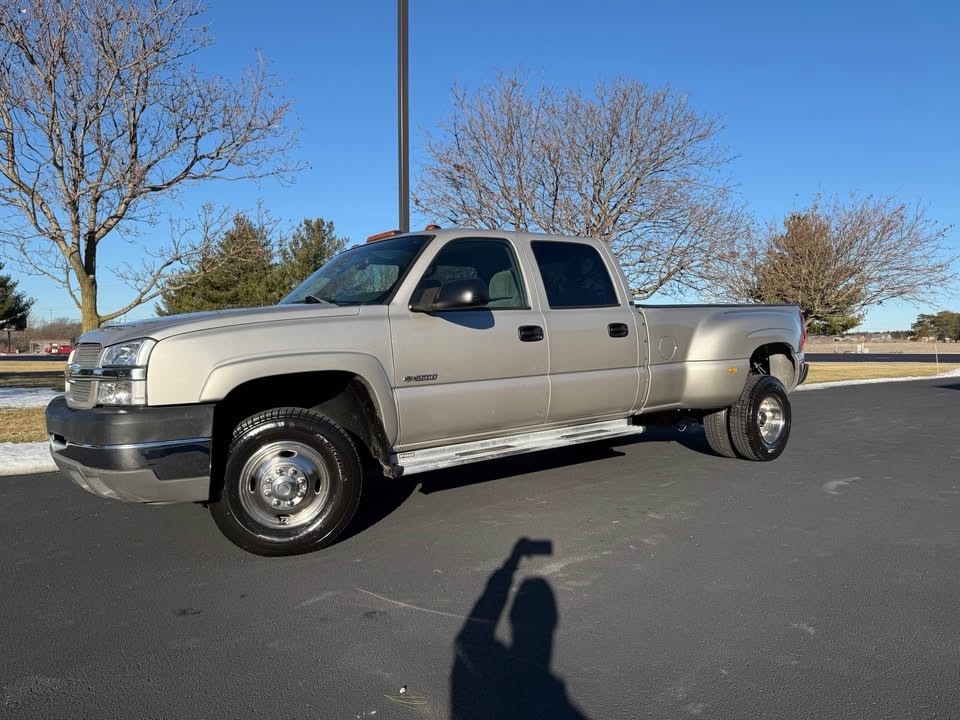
(803,331)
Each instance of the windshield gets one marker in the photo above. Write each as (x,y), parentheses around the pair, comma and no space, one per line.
(364,275)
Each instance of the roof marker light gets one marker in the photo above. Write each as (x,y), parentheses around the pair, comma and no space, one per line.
(382,236)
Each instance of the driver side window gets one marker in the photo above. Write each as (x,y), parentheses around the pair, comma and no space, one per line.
(491,261)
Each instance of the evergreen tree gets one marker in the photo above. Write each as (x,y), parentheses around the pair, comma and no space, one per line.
(14,305)
(834,324)
(310,246)
(243,274)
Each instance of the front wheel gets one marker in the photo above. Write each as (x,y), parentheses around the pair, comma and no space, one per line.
(292,483)
(760,419)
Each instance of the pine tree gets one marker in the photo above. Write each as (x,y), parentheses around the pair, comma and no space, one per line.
(14,305)
(312,244)
(244,276)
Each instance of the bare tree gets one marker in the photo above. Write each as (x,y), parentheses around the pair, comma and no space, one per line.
(839,258)
(634,166)
(102,116)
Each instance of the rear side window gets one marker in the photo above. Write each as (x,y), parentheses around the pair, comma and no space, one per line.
(574,275)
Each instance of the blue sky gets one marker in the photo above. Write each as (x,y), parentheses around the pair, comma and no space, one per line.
(815,96)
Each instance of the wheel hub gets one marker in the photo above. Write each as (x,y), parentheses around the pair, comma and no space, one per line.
(771,419)
(283,486)
(285,483)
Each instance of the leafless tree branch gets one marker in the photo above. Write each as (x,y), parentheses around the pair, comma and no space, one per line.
(838,258)
(102,116)
(632,165)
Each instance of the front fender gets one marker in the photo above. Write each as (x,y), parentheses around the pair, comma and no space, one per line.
(193,385)
(225,377)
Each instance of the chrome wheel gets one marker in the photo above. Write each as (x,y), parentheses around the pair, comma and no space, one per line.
(284,484)
(771,420)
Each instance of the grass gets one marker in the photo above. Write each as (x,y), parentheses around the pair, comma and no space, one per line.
(834,371)
(53,380)
(22,425)
(32,373)
(31,366)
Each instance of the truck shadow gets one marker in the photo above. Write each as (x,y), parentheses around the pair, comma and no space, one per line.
(382,496)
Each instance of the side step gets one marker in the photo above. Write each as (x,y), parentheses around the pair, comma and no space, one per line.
(417,461)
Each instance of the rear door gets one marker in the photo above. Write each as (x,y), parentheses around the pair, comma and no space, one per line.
(592,333)
(470,372)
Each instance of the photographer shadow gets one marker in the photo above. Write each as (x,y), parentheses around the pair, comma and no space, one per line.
(491,679)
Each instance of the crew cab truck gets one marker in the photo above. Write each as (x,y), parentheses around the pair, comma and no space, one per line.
(414,352)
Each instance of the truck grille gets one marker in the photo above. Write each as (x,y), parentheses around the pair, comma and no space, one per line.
(80,392)
(86,355)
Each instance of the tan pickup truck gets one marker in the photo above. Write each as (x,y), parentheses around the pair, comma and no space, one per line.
(409,353)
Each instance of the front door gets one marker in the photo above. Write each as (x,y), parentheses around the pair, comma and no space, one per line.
(463,373)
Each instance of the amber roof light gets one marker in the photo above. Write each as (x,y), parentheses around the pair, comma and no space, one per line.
(382,236)
(432,226)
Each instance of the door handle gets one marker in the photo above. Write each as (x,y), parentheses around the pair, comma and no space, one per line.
(618,330)
(530,333)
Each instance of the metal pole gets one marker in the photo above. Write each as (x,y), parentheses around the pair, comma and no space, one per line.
(403,115)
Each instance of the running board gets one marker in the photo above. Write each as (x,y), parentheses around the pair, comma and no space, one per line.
(418,461)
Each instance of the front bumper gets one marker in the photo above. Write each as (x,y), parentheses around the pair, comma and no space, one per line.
(143,454)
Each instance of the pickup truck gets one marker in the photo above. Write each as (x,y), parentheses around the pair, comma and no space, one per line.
(409,353)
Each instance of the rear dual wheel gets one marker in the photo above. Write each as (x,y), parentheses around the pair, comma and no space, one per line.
(757,427)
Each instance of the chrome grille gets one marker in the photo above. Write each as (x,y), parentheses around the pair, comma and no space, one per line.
(87,355)
(79,392)
(82,393)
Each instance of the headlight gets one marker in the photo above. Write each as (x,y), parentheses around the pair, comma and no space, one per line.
(122,392)
(133,353)
(122,373)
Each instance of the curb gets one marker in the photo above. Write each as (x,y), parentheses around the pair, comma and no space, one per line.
(874,381)
(25,459)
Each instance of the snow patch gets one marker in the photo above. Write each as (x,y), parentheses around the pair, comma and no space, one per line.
(27,397)
(25,458)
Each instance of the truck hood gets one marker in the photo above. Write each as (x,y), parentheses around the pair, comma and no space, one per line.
(160,328)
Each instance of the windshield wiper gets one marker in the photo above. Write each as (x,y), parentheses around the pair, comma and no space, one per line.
(314,300)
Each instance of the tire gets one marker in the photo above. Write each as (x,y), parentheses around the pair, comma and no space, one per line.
(314,503)
(760,420)
(716,426)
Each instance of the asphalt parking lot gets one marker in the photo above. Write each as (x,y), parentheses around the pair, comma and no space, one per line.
(677,584)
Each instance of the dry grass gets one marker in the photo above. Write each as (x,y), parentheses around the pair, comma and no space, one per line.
(911,348)
(834,371)
(22,425)
(32,366)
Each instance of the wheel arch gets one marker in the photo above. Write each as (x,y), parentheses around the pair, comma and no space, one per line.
(779,360)
(368,371)
(348,398)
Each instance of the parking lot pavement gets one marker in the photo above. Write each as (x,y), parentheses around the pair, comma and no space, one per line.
(677,584)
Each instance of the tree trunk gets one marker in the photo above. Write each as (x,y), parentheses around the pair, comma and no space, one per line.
(88,304)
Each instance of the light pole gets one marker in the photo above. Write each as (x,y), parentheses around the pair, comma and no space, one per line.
(403,115)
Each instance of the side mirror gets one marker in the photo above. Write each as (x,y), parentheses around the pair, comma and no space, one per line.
(465,294)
